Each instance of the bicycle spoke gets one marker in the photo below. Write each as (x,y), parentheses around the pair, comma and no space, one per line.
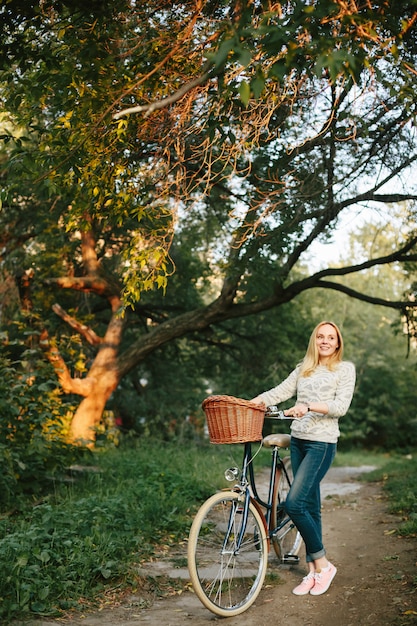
(227,577)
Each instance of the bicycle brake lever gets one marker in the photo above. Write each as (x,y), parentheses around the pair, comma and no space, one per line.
(275,412)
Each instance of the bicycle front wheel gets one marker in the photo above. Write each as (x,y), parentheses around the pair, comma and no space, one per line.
(287,540)
(227,578)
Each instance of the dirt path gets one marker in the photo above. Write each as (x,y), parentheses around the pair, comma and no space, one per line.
(375,584)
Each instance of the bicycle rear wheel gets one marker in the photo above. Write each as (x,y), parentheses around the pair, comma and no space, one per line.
(227,580)
(286,541)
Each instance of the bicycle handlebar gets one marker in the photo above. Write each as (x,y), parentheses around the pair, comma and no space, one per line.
(274,412)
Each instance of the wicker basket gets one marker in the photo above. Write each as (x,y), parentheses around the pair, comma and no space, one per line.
(233,420)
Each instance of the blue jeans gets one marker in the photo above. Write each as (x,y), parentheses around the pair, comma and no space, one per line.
(310,462)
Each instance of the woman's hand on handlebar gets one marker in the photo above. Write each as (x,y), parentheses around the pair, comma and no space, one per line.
(297,411)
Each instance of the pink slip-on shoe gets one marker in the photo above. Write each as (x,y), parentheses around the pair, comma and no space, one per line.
(322,580)
(305,586)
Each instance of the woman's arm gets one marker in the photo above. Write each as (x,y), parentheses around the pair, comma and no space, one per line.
(285,390)
(337,399)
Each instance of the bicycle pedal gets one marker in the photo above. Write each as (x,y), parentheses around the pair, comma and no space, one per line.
(290,559)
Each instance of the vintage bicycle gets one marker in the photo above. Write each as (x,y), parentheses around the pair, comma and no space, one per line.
(230,537)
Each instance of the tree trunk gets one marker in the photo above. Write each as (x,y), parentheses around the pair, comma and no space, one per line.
(101,381)
(90,411)
(96,388)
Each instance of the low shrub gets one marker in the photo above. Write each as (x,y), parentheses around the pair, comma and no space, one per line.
(33,449)
(96,529)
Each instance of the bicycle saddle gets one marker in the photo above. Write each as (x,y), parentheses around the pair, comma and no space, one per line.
(280,440)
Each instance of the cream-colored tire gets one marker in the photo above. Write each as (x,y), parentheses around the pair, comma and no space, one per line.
(227,579)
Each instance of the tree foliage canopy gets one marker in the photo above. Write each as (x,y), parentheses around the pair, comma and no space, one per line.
(223,137)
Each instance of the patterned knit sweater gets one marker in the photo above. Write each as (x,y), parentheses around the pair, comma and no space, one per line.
(335,388)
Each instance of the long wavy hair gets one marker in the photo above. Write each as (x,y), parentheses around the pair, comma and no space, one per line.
(311,358)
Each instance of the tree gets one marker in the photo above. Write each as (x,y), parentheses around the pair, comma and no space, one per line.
(257,126)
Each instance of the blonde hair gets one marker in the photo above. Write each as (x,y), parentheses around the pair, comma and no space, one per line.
(311,358)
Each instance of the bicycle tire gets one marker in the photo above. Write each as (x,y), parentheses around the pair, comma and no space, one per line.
(227,581)
(286,541)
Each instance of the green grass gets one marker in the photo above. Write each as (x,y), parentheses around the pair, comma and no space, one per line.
(398,475)
(356,458)
(91,534)
(94,532)
(399,478)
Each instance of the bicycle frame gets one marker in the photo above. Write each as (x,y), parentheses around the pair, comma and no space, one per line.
(243,524)
(232,533)
(248,471)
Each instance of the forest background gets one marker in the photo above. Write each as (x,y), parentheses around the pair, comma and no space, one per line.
(170,175)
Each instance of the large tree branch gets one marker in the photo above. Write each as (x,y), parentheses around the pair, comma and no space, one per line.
(371,194)
(401,255)
(94,281)
(160,104)
(154,106)
(327,216)
(85,331)
(78,386)
(200,319)
(91,284)
(221,309)
(397,304)
(385,198)
(88,251)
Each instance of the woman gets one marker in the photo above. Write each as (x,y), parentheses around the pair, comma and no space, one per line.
(323,385)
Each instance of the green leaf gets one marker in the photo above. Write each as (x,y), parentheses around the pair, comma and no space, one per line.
(244,92)
(223,51)
(244,56)
(22,560)
(257,85)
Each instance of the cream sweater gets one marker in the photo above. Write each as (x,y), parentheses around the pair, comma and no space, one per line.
(335,388)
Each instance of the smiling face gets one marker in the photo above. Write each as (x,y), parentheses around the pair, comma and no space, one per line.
(327,342)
